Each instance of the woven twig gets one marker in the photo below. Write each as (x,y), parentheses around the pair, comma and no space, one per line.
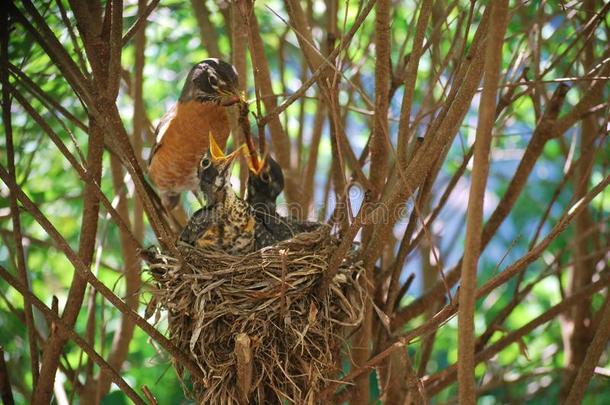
(289,338)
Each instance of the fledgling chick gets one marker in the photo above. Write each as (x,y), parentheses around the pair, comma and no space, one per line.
(265,184)
(226,222)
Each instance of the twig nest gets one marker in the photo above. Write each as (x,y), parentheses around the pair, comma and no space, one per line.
(256,324)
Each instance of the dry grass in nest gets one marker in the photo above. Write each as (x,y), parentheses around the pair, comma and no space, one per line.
(255,324)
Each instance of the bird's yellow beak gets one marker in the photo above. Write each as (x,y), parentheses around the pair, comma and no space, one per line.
(218,154)
(215,150)
(255,163)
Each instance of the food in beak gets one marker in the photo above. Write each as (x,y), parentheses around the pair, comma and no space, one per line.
(229,101)
(233,98)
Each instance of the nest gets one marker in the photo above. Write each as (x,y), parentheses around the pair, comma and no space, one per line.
(256,324)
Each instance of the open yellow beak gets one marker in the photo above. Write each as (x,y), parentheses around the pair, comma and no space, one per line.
(215,150)
(218,154)
(255,163)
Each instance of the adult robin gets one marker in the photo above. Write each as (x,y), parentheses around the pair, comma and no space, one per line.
(265,184)
(181,138)
(226,222)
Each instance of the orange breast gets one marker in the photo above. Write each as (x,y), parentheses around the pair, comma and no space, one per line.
(173,166)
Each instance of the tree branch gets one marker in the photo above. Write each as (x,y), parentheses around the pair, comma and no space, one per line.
(543,132)
(64,329)
(6,393)
(207,31)
(595,350)
(472,245)
(85,272)
(10,154)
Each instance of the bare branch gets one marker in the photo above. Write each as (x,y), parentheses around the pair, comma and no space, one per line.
(410,80)
(472,246)
(207,31)
(6,393)
(10,154)
(84,272)
(595,350)
(65,329)
(142,17)
(543,132)
(444,377)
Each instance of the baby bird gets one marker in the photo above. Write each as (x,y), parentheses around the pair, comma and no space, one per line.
(226,222)
(265,183)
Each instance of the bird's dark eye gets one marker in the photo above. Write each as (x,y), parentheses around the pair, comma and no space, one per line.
(205,163)
(265,177)
(213,81)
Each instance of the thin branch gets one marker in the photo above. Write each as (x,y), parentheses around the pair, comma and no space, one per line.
(44,97)
(10,154)
(596,348)
(543,132)
(239,50)
(129,250)
(410,80)
(262,79)
(49,42)
(64,329)
(345,42)
(518,266)
(443,378)
(6,393)
(84,174)
(472,245)
(113,80)
(149,395)
(207,30)
(72,34)
(85,272)
(139,22)
(403,183)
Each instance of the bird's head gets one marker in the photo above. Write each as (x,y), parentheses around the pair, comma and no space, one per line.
(214,172)
(212,80)
(265,182)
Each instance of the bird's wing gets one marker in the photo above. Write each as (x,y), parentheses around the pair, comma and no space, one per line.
(263,236)
(278,226)
(197,225)
(161,129)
